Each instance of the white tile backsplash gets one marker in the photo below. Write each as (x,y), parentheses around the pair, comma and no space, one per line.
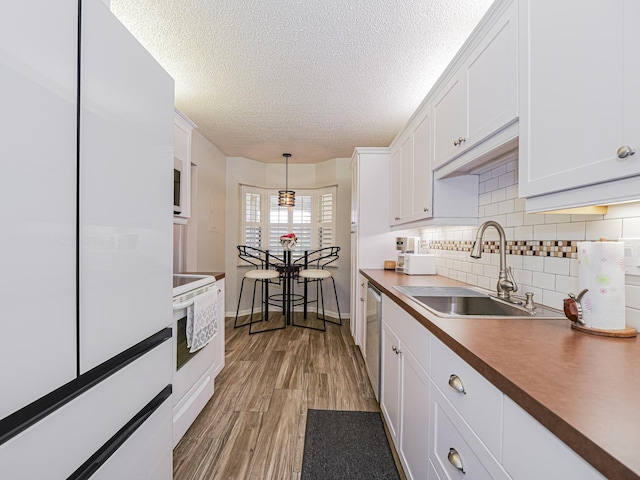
(559,266)
(609,229)
(549,278)
(631,227)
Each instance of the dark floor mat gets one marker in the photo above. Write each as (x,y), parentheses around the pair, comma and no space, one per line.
(346,445)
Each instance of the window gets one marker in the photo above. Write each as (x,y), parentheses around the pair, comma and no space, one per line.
(312,219)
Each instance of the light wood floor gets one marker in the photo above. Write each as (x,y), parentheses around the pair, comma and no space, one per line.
(253,427)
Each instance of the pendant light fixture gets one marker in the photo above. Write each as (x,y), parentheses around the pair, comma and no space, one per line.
(286,197)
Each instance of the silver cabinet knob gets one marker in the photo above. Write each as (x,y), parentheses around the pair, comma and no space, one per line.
(455,459)
(425,209)
(459,141)
(456,384)
(397,218)
(395,349)
(625,151)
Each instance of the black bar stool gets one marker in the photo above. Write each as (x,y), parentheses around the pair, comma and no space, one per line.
(262,261)
(313,269)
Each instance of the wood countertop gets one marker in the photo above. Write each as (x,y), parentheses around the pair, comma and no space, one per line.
(583,388)
(218,275)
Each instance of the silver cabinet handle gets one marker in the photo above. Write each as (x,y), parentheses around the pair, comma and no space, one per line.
(456,384)
(425,209)
(396,349)
(459,141)
(625,151)
(455,459)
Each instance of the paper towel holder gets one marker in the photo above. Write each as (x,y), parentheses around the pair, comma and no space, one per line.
(573,311)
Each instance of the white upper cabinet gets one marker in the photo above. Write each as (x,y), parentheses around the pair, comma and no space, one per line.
(580,101)
(418,198)
(395,202)
(411,177)
(422,173)
(38,91)
(126,152)
(475,112)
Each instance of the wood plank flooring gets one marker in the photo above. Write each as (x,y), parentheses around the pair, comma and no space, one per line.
(253,427)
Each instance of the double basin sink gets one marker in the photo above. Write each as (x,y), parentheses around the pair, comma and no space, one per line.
(467,302)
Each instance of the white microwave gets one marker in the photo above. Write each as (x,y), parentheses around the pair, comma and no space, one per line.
(416,264)
(177,185)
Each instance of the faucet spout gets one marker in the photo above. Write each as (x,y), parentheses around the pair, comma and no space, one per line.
(506,282)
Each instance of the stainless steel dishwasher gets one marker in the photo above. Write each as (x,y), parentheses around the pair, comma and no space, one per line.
(372,343)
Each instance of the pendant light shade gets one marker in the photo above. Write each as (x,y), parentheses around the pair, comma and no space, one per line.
(286,197)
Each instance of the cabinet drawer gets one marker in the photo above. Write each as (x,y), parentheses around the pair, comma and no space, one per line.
(451,435)
(532,452)
(480,404)
(414,335)
(61,442)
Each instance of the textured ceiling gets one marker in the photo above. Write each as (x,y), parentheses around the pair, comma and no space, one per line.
(310,77)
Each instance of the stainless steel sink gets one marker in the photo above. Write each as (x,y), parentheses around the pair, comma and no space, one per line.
(468,302)
(423,291)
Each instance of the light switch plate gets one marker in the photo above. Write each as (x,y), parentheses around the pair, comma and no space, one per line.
(631,256)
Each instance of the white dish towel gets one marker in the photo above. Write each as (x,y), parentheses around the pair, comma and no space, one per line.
(201,320)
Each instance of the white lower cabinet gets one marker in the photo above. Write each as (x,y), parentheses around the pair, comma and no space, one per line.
(455,450)
(477,400)
(449,422)
(414,424)
(532,452)
(391,382)
(405,387)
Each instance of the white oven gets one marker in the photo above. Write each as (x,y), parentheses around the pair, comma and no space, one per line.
(193,373)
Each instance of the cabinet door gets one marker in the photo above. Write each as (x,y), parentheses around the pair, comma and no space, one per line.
(492,80)
(395,202)
(448,121)
(414,432)
(532,452)
(422,180)
(574,86)
(631,132)
(390,378)
(406,186)
(126,158)
(38,184)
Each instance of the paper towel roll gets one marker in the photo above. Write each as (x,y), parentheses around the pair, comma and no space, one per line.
(601,270)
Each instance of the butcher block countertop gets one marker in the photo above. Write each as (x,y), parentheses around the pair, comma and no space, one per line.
(583,388)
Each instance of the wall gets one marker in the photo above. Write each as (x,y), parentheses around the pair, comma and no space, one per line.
(547,264)
(205,232)
(249,172)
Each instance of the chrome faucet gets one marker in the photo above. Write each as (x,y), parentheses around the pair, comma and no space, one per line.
(506,282)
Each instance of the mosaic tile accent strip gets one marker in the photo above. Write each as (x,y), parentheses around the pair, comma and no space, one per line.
(539,248)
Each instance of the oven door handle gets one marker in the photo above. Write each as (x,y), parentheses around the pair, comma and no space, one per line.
(180,306)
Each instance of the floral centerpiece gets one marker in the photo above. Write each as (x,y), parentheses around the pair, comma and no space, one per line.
(288,241)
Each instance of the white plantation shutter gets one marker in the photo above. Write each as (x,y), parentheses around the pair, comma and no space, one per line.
(278,223)
(302,223)
(312,219)
(252,218)
(326,218)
